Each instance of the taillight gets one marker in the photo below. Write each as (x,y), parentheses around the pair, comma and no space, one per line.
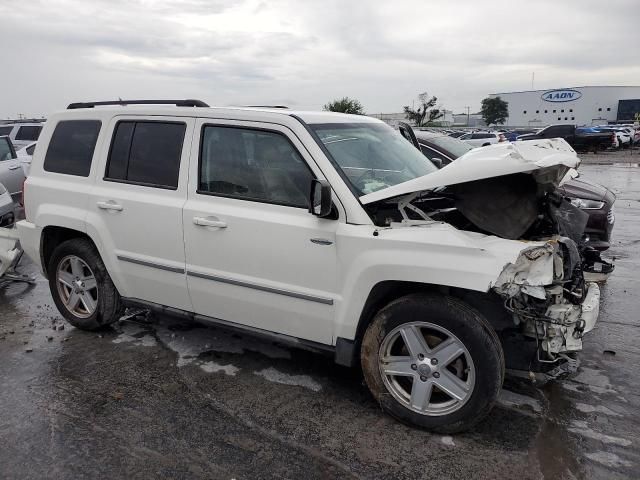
(24,184)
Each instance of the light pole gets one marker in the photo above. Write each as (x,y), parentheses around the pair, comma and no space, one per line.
(467,115)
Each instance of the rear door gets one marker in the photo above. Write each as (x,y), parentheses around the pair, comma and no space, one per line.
(136,206)
(255,255)
(11,174)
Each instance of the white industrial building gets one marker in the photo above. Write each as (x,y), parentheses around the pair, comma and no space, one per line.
(576,105)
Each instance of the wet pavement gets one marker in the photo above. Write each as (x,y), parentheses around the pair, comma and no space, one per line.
(160,398)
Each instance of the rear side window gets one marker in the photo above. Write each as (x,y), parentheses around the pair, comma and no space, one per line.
(29,132)
(146,153)
(71,147)
(5,130)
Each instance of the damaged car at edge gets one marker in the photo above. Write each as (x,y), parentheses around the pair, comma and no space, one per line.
(434,281)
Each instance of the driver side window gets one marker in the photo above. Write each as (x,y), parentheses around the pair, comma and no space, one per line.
(251,164)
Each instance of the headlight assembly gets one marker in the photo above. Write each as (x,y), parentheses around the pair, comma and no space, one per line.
(586,204)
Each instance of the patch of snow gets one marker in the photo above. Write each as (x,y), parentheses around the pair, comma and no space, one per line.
(448,441)
(581,428)
(608,459)
(276,376)
(510,399)
(212,367)
(585,408)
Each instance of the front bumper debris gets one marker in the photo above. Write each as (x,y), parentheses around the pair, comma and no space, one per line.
(565,324)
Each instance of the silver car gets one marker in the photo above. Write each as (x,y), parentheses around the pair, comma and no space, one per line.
(11,172)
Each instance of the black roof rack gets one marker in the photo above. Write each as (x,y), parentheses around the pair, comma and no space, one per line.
(177,103)
(267,106)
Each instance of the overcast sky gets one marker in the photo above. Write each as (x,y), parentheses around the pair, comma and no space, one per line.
(304,53)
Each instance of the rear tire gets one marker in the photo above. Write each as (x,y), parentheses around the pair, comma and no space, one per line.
(458,361)
(81,286)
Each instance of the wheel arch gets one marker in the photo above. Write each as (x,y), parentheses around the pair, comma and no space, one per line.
(488,304)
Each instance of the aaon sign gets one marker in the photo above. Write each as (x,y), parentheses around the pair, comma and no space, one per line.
(561,95)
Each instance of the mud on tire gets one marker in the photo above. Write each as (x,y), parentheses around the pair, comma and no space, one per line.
(441,321)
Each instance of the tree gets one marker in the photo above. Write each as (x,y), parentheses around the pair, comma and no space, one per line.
(494,110)
(345,105)
(425,113)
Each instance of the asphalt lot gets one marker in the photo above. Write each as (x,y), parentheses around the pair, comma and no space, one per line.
(167,399)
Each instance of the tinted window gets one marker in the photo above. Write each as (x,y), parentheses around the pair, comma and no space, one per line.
(146,153)
(5,150)
(253,165)
(71,147)
(29,132)
(31,149)
(5,130)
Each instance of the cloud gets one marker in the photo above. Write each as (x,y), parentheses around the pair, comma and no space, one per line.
(308,52)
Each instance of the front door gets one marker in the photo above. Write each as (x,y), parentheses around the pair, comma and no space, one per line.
(136,206)
(255,255)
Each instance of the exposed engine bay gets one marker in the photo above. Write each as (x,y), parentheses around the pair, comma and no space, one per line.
(544,291)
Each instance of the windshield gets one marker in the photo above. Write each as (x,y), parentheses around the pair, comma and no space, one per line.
(453,147)
(372,156)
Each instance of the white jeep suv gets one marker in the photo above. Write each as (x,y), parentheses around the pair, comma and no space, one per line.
(322,230)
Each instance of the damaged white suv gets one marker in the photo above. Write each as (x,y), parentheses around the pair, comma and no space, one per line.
(326,231)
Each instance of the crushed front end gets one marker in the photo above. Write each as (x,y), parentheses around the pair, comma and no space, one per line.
(548,298)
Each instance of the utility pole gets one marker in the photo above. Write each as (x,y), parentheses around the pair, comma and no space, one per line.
(468,108)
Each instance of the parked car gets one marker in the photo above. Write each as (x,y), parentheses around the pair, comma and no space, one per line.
(595,200)
(482,139)
(512,135)
(579,139)
(457,133)
(11,174)
(623,135)
(315,229)
(21,134)
(24,155)
(7,208)
(441,149)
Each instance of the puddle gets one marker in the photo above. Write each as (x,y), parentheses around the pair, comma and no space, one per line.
(276,376)
(190,343)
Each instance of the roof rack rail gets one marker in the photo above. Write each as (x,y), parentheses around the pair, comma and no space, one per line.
(266,106)
(177,103)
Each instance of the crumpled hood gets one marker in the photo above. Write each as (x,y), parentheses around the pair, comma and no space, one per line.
(552,157)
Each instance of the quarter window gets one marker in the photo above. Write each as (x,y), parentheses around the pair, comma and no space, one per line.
(71,147)
(146,153)
(29,132)
(252,165)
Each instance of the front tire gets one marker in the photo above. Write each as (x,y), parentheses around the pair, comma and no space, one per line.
(434,362)
(81,286)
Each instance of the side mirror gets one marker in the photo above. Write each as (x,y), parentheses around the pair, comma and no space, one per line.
(320,198)
(437,162)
